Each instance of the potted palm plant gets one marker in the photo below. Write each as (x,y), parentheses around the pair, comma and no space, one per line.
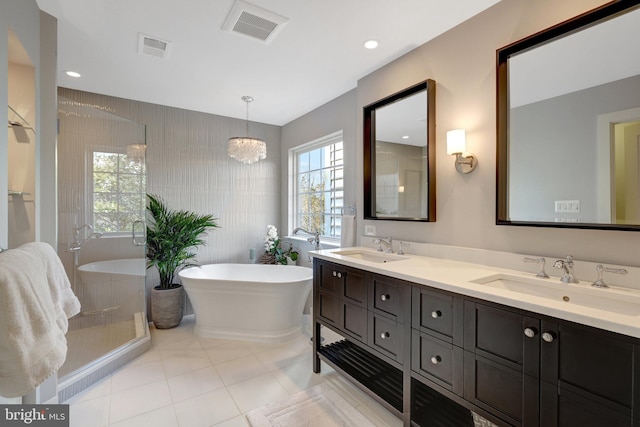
(172,237)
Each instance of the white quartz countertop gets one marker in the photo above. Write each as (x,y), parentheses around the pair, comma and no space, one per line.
(619,311)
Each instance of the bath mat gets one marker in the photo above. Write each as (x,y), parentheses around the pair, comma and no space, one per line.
(319,406)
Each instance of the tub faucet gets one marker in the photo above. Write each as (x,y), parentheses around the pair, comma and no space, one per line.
(387,243)
(80,237)
(566,265)
(315,239)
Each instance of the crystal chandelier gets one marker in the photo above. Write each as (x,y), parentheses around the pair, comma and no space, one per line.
(246,149)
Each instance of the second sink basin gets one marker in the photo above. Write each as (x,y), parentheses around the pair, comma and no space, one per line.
(615,300)
(365,255)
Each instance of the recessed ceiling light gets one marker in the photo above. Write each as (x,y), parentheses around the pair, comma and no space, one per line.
(72,74)
(371,44)
(405,137)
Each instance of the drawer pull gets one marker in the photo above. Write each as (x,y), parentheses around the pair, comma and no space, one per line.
(436,313)
(548,336)
(384,335)
(385,297)
(436,359)
(530,332)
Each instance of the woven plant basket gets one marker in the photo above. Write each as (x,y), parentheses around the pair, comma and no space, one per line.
(267,259)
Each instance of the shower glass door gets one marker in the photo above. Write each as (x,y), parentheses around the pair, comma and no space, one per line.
(101,199)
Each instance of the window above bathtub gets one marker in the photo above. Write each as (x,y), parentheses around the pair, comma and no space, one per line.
(116,189)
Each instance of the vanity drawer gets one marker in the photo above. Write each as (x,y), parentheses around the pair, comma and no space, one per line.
(437,360)
(389,297)
(386,336)
(438,313)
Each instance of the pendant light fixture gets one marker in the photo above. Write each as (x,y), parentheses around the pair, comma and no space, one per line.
(246,149)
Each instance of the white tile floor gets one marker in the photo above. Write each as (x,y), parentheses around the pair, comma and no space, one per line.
(187,381)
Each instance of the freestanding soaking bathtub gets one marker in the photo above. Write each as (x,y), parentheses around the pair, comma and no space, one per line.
(250,302)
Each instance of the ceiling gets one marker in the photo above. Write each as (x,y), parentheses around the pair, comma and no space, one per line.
(315,57)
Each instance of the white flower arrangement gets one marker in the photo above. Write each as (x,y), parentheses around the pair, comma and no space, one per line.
(272,246)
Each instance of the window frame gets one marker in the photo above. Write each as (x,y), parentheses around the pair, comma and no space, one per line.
(327,140)
(89,181)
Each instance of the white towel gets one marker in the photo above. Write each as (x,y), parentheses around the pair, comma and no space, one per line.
(348,231)
(33,346)
(59,285)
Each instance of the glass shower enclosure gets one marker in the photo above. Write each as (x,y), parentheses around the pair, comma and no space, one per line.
(101,206)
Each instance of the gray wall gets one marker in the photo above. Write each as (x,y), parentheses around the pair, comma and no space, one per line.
(188,166)
(462,62)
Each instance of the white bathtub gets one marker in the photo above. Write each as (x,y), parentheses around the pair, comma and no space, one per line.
(113,288)
(127,267)
(249,302)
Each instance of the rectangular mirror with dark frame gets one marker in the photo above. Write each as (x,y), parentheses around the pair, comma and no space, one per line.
(399,155)
(568,123)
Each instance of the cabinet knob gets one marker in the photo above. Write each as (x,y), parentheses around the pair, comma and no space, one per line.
(436,359)
(384,335)
(548,336)
(385,297)
(436,313)
(530,332)
(335,273)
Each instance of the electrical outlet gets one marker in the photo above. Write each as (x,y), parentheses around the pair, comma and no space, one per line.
(567,206)
(370,230)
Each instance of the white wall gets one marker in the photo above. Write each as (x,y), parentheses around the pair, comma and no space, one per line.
(462,62)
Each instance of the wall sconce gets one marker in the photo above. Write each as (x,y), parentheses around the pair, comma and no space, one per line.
(456,144)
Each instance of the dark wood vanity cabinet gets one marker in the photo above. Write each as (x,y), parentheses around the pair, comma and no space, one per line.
(429,353)
(531,370)
(341,298)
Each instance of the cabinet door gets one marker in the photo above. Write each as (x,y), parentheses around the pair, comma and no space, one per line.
(591,360)
(354,285)
(501,362)
(353,321)
(504,336)
(327,307)
(505,392)
(561,407)
(326,277)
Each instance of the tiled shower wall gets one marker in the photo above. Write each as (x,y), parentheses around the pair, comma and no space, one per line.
(188,166)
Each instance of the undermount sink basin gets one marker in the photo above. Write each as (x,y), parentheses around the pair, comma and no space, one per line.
(616,300)
(365,255)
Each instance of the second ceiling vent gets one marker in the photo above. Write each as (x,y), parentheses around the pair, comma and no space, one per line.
(253,21)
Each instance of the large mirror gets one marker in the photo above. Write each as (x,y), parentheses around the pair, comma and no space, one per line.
(399,156)
(569,123)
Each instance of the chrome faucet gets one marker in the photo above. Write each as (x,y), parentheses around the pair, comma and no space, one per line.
(388,244)
(566,265)
(315,239)
(80,237)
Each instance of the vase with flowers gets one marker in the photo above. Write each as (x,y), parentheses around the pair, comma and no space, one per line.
(275,253)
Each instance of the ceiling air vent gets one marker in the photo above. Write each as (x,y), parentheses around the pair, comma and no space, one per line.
(153,46)
(253,21)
